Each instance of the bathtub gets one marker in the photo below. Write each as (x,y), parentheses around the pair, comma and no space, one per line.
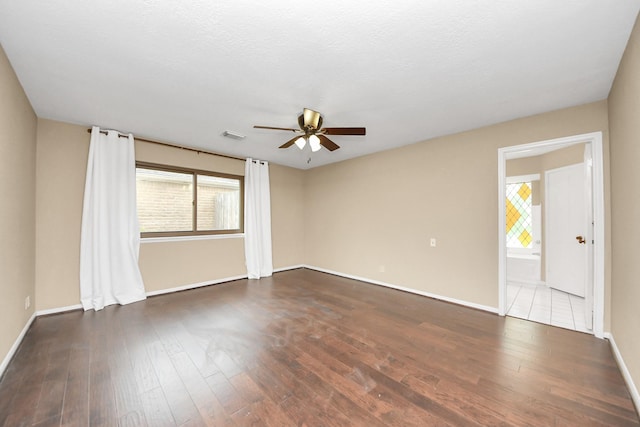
(523,268)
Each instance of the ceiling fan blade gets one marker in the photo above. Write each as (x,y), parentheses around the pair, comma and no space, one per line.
(327,143)
(274,128)
(289,143)
(345,131)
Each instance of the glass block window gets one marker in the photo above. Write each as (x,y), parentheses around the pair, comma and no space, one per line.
(519,229)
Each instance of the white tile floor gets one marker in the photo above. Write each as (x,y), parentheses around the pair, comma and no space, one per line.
(545,305)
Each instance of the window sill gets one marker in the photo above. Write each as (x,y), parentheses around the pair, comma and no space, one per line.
(189,238)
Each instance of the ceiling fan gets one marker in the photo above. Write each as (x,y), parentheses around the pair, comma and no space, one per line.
(311,131)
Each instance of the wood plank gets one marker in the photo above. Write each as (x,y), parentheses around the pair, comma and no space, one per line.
(75,410)
(102,407)
(22,378)
(210,409)
(182,407)
(226,394)
(21,412)
(126,392)
(156,409)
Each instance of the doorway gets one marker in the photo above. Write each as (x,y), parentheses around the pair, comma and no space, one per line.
(593,238)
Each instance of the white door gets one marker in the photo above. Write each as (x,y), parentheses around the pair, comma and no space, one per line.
(565,229)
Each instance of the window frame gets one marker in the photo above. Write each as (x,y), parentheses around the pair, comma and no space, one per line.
(194,204)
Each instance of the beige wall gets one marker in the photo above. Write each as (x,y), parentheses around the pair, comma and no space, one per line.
(17,206)
(571,155)
(624,122)
(62,158)
(287,215)
(379,211)
(554,159)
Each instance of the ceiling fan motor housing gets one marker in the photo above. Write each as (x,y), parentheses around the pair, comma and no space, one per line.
(310,120)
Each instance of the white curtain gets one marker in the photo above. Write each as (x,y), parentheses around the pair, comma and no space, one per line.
(257,219)
(110,235)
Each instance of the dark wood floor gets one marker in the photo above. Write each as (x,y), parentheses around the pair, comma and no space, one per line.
(306,348)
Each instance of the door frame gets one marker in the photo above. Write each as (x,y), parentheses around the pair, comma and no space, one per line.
(535,149)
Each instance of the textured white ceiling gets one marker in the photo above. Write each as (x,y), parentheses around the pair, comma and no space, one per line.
(185,71)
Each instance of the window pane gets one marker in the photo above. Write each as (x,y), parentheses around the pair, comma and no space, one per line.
(165,200)
(518,209)
(218,203)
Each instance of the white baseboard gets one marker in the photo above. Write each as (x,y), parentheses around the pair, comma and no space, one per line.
(212,282)
(410,290)
(633,390)
(164,291)
(58,310)
(194,285)
(293,267)
(16,344)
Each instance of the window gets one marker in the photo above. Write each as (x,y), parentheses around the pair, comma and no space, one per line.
(175,201)
(519,213)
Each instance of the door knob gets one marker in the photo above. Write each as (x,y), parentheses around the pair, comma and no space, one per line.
(580,239)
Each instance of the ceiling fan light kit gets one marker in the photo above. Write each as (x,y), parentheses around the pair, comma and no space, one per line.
(314,143)
(300,142)
(311,130)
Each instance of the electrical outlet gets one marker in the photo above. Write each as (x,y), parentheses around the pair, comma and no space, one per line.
(381,269)
(27,302)
(433,242)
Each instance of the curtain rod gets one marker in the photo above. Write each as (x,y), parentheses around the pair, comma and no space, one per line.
(121,135)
